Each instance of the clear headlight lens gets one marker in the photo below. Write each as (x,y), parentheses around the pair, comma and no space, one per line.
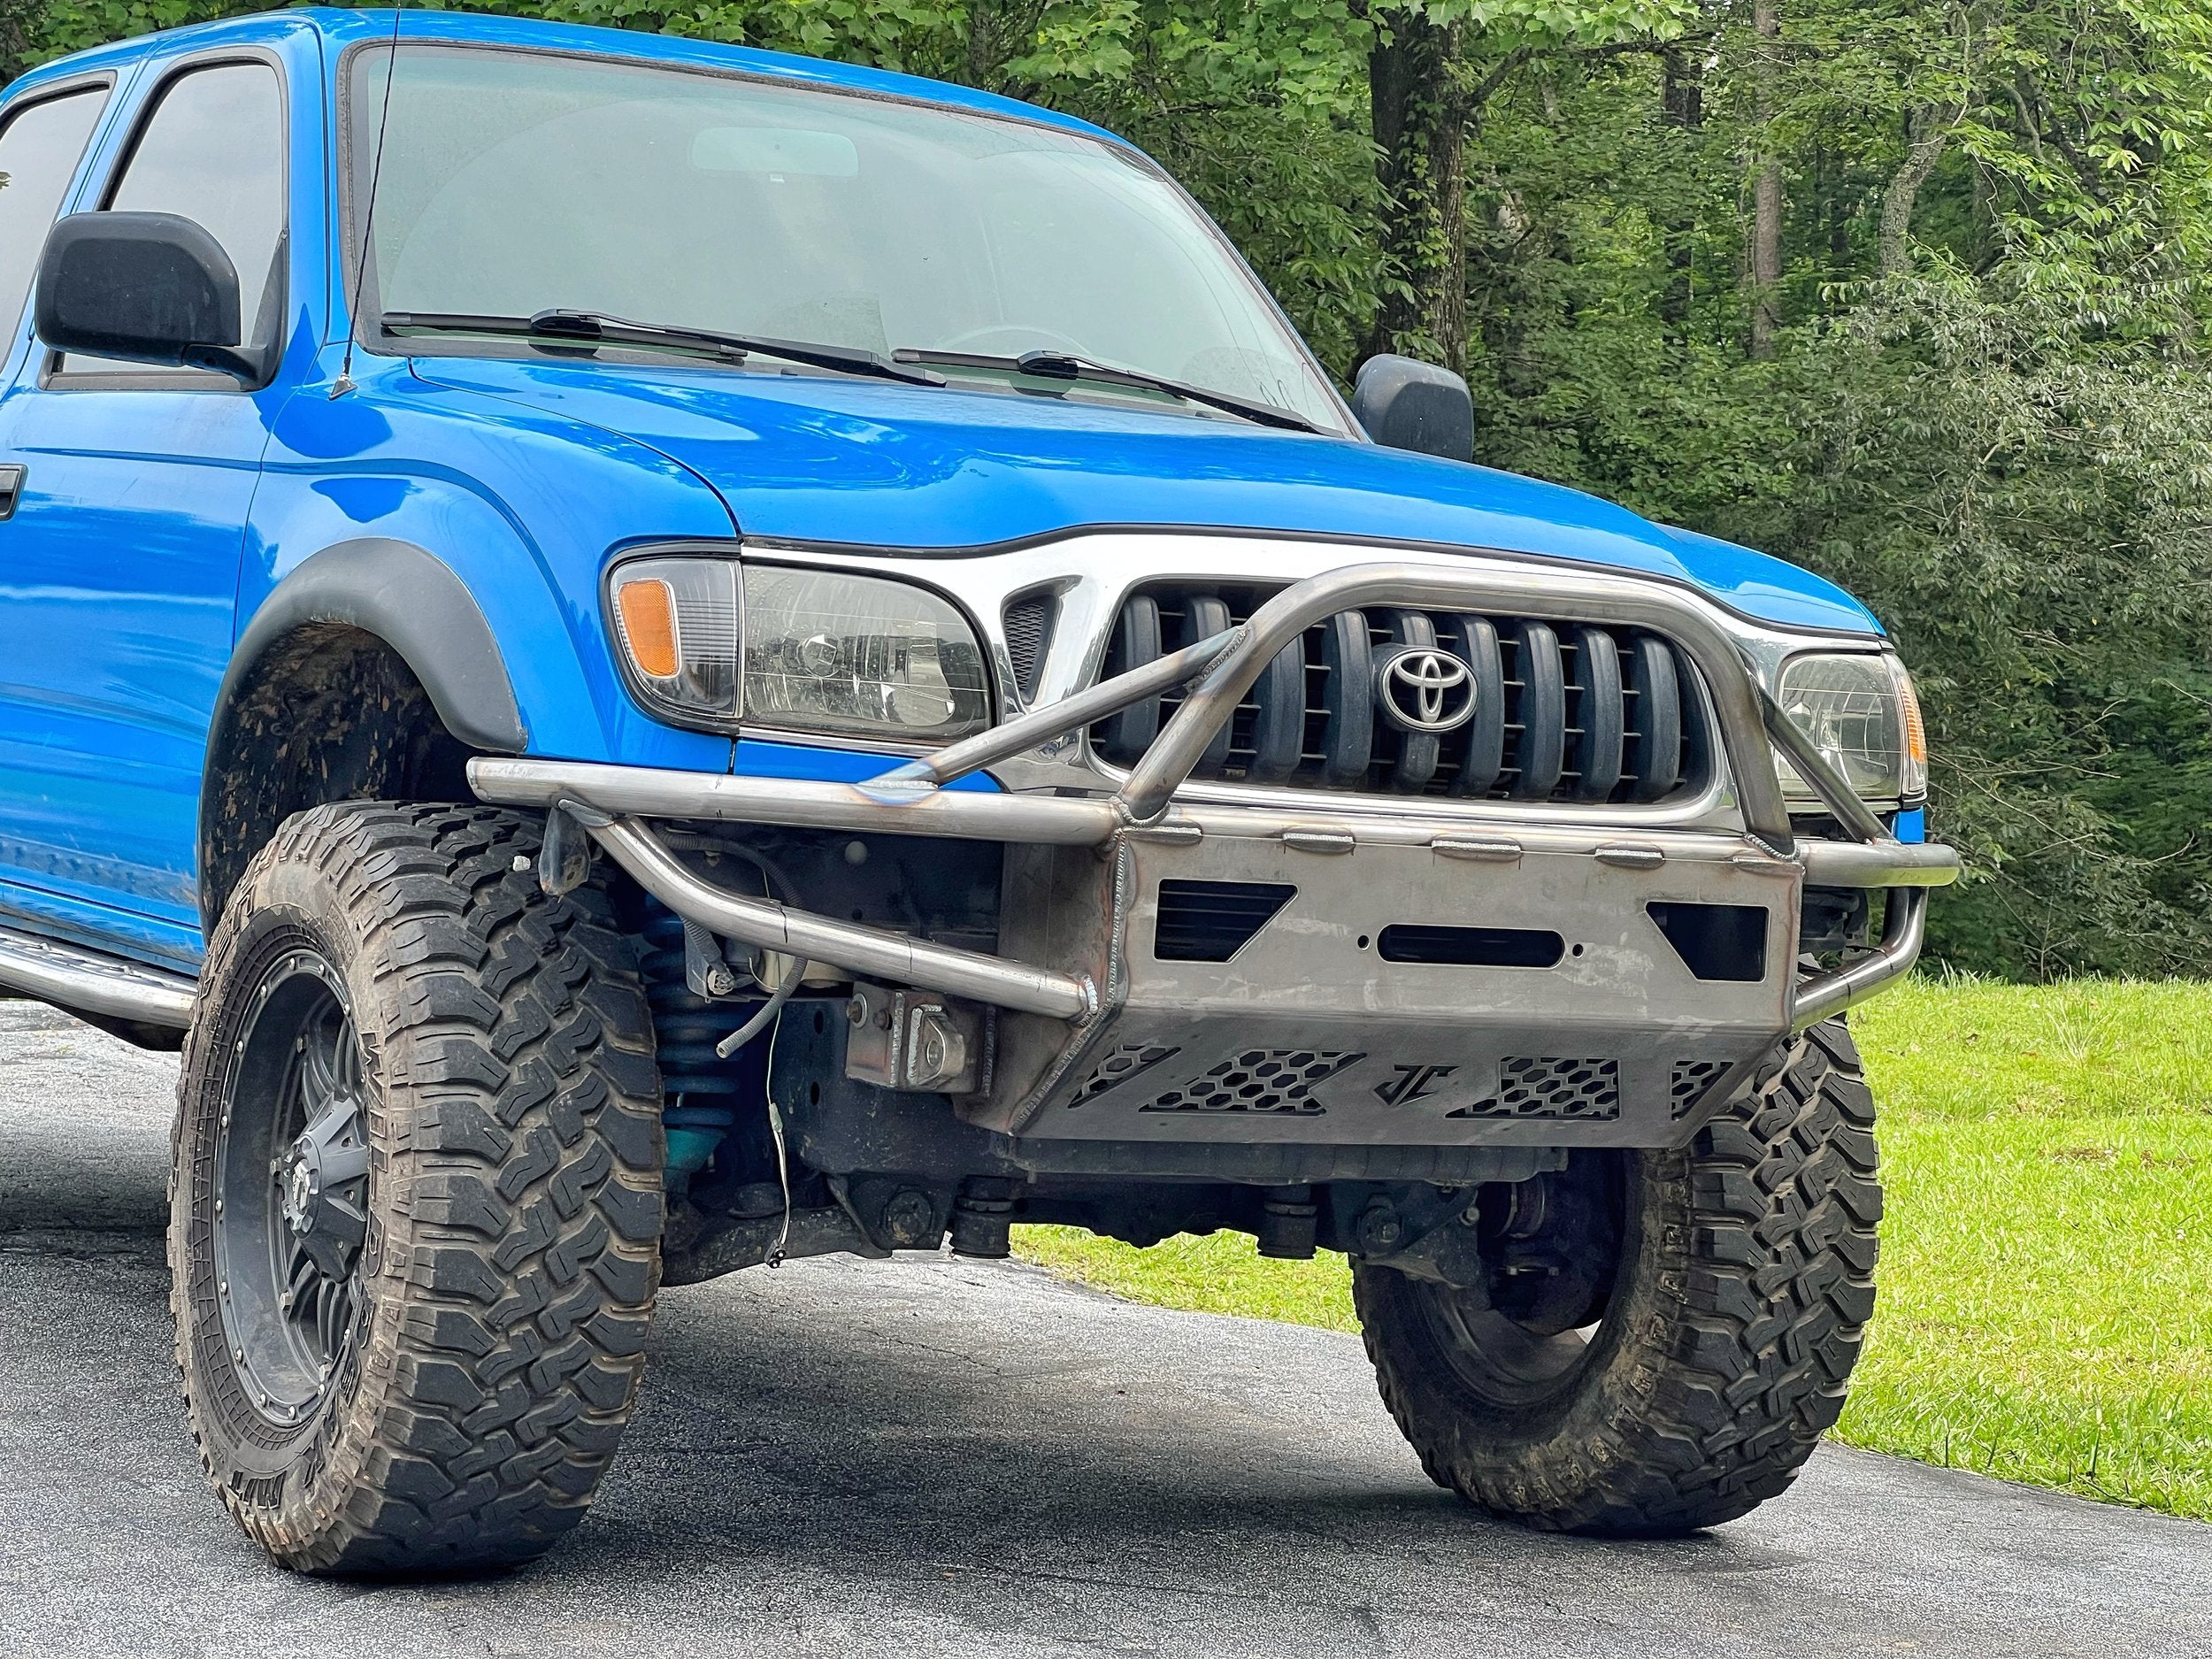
(1862,715)
(711,642)
(676,620)
(859,657)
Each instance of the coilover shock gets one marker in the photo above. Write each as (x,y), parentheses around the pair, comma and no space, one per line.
(701,1087)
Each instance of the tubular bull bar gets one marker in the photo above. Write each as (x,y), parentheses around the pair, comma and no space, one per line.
(1306,1034)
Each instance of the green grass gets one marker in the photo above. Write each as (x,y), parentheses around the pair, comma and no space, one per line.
(2046,1308)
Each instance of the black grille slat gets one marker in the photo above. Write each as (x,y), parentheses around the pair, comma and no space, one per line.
(1541,755)
(1419,753)
(1028,622)
(1205,615)
(1278,719)
(1348,726)
(1655,757)
(1602,718)
(1562,712)
(1125,736)
(1483,756)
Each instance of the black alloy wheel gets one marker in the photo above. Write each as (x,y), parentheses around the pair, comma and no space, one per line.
(1553,1248)
(292,1179)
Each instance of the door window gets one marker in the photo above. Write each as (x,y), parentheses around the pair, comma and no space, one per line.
(212,151)
(39,147)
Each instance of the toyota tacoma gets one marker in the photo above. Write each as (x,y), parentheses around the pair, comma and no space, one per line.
(658,658)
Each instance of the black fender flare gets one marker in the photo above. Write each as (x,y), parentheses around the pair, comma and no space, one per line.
(416,607)
(412,600)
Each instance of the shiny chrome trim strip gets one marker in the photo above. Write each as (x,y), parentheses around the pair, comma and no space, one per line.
(91,982)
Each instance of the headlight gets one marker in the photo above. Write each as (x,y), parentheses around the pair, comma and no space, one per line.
(711,642)
(1862,715)
(859,657)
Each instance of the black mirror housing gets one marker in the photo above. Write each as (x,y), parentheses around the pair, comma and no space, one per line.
(145,288)
(1405,403)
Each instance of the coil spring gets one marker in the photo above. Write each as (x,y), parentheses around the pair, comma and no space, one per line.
(699,1084)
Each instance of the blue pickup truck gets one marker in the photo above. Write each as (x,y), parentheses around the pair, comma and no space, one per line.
(657,658)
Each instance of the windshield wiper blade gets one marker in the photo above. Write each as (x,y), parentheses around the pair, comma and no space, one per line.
(1067,365)
(598,328)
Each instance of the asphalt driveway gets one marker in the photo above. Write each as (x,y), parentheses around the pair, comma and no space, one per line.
(937,1457)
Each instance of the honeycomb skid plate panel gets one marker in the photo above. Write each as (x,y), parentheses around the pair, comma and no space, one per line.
(1251,1080)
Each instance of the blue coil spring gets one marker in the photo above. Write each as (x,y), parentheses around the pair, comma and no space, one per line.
(699,1084)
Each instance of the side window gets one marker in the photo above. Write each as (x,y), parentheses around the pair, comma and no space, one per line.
(213,152)
(40,148)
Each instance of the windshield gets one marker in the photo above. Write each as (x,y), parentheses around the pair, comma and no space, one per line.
(513,183)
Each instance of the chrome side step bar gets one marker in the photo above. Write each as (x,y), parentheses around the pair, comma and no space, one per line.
(91,982)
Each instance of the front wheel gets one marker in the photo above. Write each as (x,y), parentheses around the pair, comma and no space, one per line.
(1664,1336)
(416,1208)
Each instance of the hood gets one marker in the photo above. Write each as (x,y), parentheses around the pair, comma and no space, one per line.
(823,459)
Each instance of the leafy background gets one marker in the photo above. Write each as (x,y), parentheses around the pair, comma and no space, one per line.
(1911,292)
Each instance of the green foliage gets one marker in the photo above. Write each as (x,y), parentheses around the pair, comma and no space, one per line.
(1982,409)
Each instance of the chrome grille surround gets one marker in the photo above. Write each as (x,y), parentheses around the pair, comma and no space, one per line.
(1091,573)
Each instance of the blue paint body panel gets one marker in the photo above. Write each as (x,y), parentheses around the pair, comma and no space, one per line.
(872,464)
(155,522)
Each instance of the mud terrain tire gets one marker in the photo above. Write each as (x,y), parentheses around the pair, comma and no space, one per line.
(1740,1303)
(433,1376)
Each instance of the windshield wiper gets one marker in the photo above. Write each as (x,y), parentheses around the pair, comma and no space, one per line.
(598,328)
(1066,366)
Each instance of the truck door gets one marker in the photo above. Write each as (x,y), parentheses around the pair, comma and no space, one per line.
(119,562)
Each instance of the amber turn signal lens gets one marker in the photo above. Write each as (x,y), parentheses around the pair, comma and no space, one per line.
(648,605)
(1916,733)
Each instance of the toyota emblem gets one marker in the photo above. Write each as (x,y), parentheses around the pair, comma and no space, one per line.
(1424,691)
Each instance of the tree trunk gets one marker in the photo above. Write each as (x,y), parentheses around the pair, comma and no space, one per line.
(15,38)
(1766,187)
(1926,132)
(998,32)
(1681,104)
(1419,105)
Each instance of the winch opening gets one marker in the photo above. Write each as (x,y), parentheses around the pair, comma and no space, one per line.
(1470,947)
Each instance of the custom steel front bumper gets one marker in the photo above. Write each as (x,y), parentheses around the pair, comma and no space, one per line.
(1306,1034)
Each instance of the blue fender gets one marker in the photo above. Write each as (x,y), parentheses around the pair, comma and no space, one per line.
(522,508)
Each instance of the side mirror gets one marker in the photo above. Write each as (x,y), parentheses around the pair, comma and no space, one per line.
(145,288)
(1406,405)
